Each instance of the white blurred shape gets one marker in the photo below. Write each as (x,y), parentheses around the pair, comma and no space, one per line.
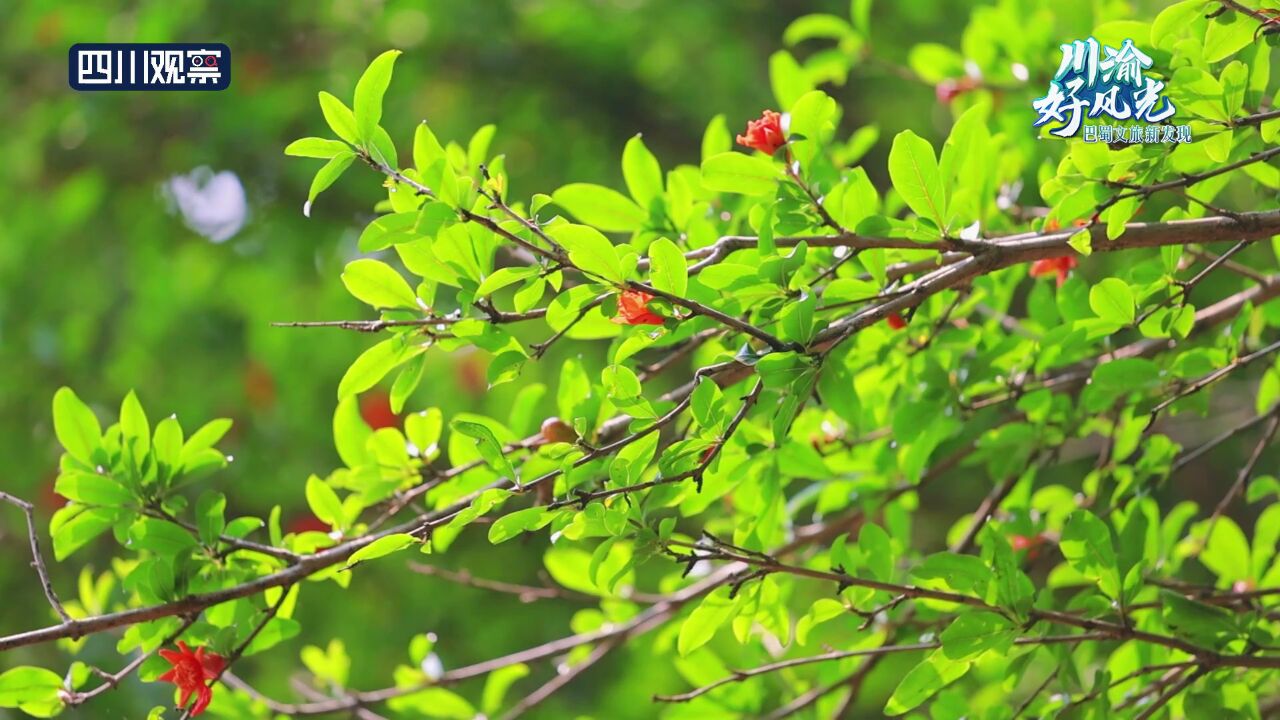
(212,204)
(432,667)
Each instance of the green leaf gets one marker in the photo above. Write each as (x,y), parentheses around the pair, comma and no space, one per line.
(513,524)
(590,250)
(75,425)
(496,685)
(372,365)
(387,230)
(92,489)
(167,444)
(669,270)
(600,206)
(327,176)
(1226,552)
(1014,589)
(134,425)
(74,526)
(324,502)
(314,147)
(642,173)
(1202,624)
(1112,300)
(716,138)
(976,632)
(931,675)
(339,117)
(738,173)
(1174,19)
(701,625)
(369,91)
(378,284)
(381,547)
(488,445)
(26,687)
(423,428)
(913,168)
(707,403)
(817,25)
(1086,544)
(435,702)
(350,432)
(160,537)
(210,516)
(797,319)
(1226,35)
(204,439)
(503,277)
(1081,241)
(961,573)
(877,551)
(787,79)
(426,148)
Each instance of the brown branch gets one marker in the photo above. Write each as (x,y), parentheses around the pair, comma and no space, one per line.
(526,593)
(741,675)
(698,308)
(804,700)
(1171,693)
(37,558)
(561,679)
(110,681)
(1115,631)
(1242,478)
(1075,376)
(1187,458)
(1209,379)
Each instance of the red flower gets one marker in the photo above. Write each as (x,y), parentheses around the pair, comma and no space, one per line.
(633,309)
(764,134)
(1030,544)
(1022,542)
(191,673)
(375,408)
(896,321)
(1060,266)
(952,88)
(308,523)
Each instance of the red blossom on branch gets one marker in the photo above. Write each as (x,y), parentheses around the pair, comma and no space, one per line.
(191,672)
(951,88)
(764,134)
(633,309)
(1060,266)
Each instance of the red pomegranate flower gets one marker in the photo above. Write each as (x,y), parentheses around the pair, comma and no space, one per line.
(1060,266)
(896,321)
(633,309)
(764,134)
(191,673)
(951,88)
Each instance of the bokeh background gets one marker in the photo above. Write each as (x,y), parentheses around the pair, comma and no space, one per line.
(149,240)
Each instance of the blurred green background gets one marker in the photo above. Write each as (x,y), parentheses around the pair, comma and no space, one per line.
(105,288)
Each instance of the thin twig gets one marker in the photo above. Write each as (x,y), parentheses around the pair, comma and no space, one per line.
(37,558)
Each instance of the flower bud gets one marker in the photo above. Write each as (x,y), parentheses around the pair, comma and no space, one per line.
(555,430)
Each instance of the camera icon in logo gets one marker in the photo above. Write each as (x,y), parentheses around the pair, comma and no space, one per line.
(203,66)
